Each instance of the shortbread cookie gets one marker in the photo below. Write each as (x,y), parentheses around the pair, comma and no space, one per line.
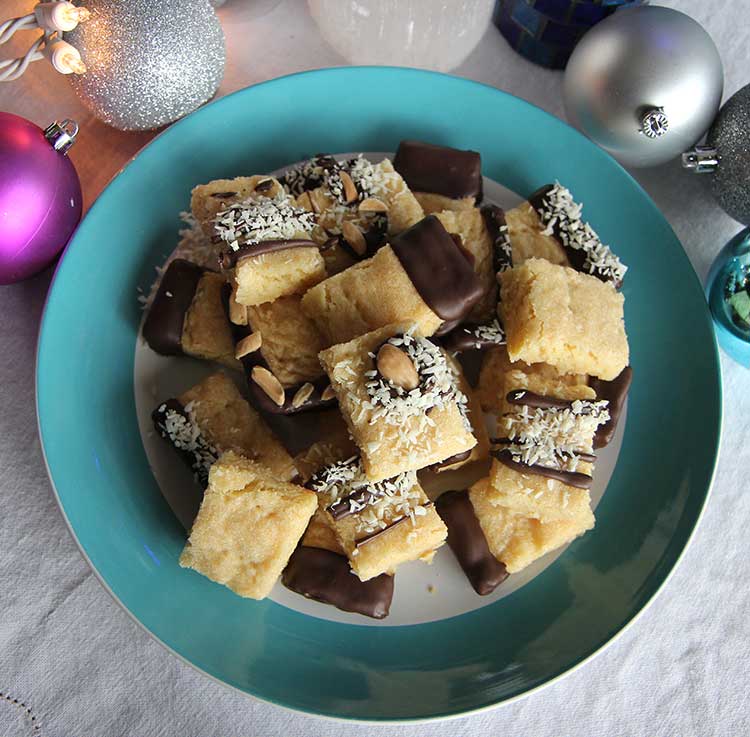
(441,178)
(498,376)
(379,525)
(207,200)
(550,226)
(267,242)
(422,278)
(401,400)
(518,538)
(212,418)
(248,526)
(187,315)
(573,321)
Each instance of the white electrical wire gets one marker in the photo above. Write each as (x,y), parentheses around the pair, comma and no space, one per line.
(25,23)
(12,69)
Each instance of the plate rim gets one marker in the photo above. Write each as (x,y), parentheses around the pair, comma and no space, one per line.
(441,715)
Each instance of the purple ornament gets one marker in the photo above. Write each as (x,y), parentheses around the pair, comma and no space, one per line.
(40,195)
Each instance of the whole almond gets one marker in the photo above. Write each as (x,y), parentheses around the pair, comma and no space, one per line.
(350,189)
(269,384)
(302,395)
(372,204)
(248,344)
(328,393)
(354,237)
(394,365)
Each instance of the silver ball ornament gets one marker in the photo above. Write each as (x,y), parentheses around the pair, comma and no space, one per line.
(147,63)
(729,136)
(644,84)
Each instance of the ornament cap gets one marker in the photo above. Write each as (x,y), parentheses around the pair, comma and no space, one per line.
(654,122)
(62,134)
(701,159)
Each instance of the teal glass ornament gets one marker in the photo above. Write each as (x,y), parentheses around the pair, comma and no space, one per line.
(728,292)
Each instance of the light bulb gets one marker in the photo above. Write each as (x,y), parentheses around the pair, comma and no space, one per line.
(64,57)
(60,16)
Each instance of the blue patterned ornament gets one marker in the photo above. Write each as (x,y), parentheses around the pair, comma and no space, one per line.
(546,31)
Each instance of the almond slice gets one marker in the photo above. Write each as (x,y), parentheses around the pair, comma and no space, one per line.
(305,202)
(372,204)
(395,366)
(302,395)
(269,384)
(354,237)
(328,393)
(237,312)
(249,344)
(350,189)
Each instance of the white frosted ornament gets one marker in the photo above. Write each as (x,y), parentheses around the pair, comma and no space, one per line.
(147,63)
(644,84)
(430,34)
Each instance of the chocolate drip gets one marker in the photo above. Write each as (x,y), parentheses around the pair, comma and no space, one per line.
(326,577)
(439,271)
(588,457)
(373,535)
(615,392)
(494,221)
(571,478)
(298,432)
(463,339)
(451,460)
(162,329)
(530,399)
(468,543)
(228,259)
(193,460)
(447,171)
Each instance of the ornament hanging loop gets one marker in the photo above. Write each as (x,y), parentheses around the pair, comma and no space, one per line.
(62,135)
(701,160)
(654,122)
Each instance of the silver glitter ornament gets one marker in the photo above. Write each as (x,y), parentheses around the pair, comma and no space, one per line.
(726,156)
(644,84)
(148,63)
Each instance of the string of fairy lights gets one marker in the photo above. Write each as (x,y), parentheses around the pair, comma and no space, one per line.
(52,19)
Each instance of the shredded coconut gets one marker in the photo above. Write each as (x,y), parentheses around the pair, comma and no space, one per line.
(261,219)
(561,215)
(376,505)
(408,410)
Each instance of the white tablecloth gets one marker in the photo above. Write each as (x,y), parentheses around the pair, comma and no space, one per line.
(71,654)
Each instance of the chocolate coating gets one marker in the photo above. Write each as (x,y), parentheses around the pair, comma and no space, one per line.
(468,543)
(571,478)
(576,256)
(447,171)
(162,329)
(438,270)
(615,392)
(462,339)
(326,577)
(158,416)
(494,221)
(228,259)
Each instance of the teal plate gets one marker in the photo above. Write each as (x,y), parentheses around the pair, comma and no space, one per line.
(126,530)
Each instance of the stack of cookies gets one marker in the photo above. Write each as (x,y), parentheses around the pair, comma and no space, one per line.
(346,300)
